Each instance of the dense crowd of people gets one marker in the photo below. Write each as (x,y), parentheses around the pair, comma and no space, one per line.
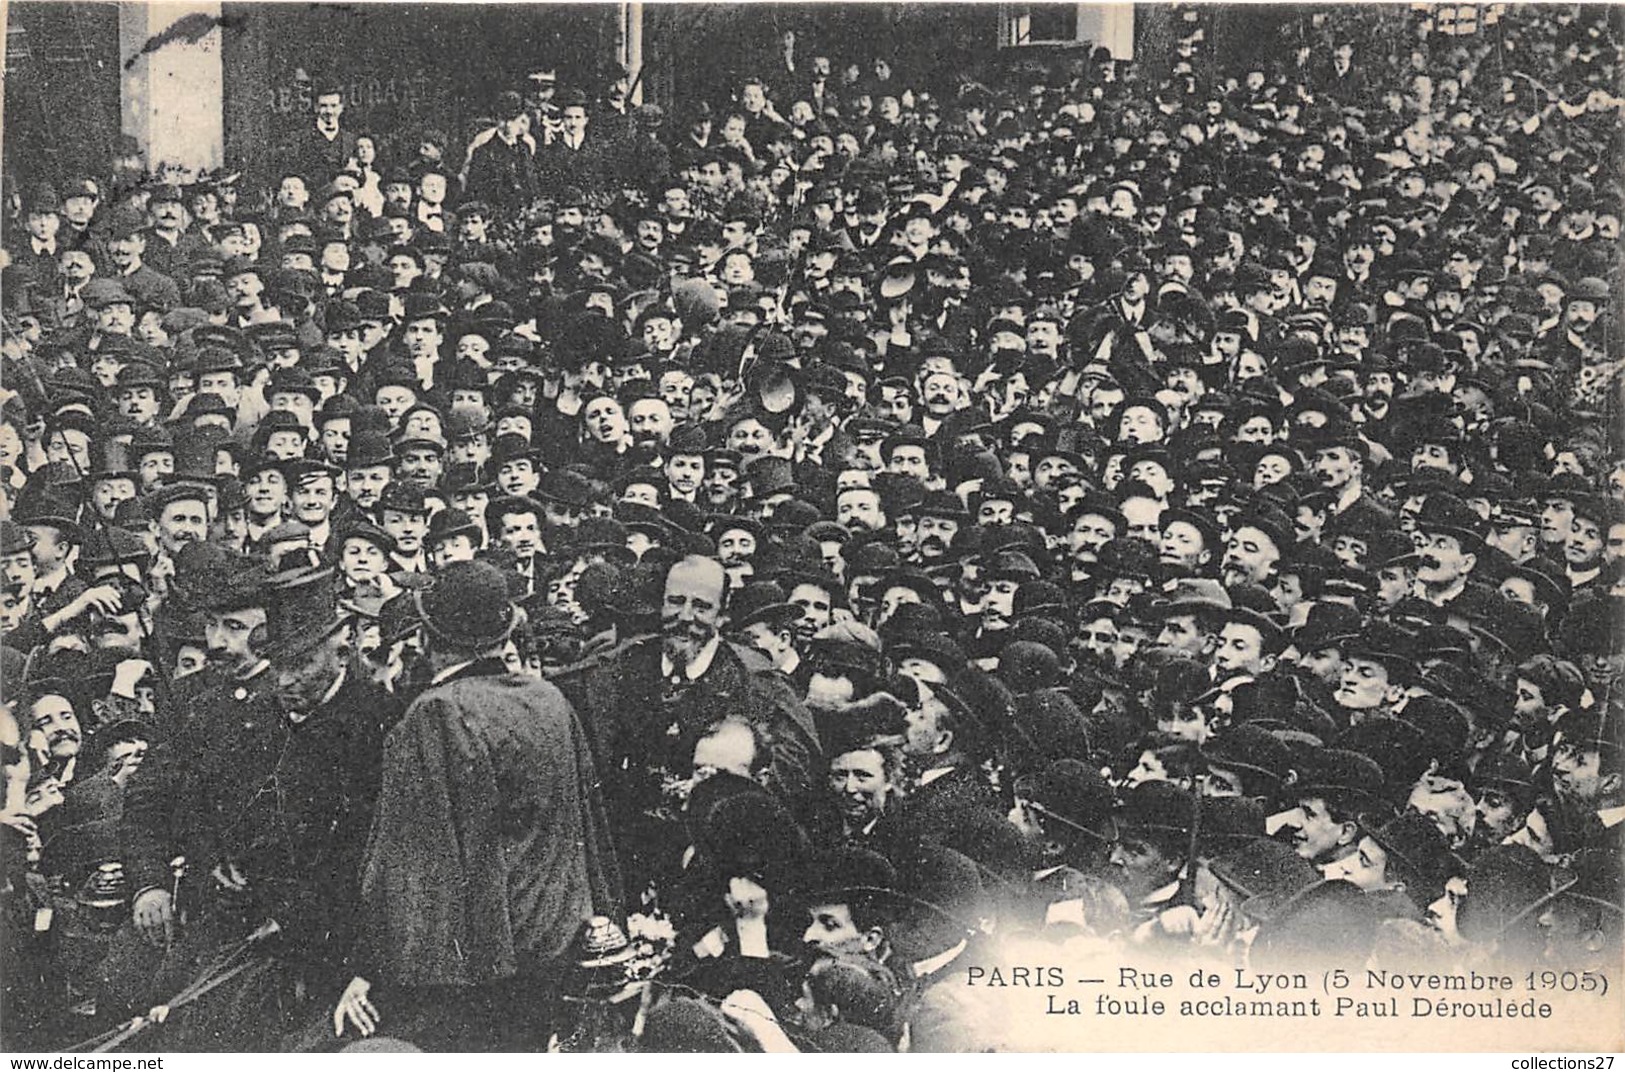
(707,580)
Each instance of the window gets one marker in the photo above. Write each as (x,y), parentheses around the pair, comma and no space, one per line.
(1041,24)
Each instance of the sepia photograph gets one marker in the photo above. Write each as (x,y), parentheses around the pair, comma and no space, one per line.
(885,527)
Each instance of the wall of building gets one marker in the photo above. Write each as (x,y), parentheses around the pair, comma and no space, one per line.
(694,51)
(404,68)
(170,59)
(61,90)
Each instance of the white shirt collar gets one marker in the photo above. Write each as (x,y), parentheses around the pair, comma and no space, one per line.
(450,670)
(923,968)
(1586,576)
(1162,895)
(697,666)
(1345,498)
(47,583)
(333,689)
(410,563)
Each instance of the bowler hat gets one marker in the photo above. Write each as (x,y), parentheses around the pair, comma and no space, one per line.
(1222,823)
(1326,625)
(745,830)
(404,498)
(761,601)
(367,449)
(1504,883)
(1160,809)
(50,510)
(849,874)
(448,523)
(14,539)
(935,647)
(1074,795)
(139,374)
(1418,855)
(1506,772)
(1342,776)
(467,607)
(877,722)
(1250,749)
(302,610)
(604,535)
(566,487)
(1265,873)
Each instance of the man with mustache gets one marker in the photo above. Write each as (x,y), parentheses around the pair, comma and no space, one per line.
(266,793)
(1376,376)
(908,453)
(235,616)
(1505,794)
(171,244)
(939,389)
(1569,342)
(738,541)
(940,516)
(1255,546)
(1450,545)
(647,705)
(52,715)
(1339,463)
(182,513)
